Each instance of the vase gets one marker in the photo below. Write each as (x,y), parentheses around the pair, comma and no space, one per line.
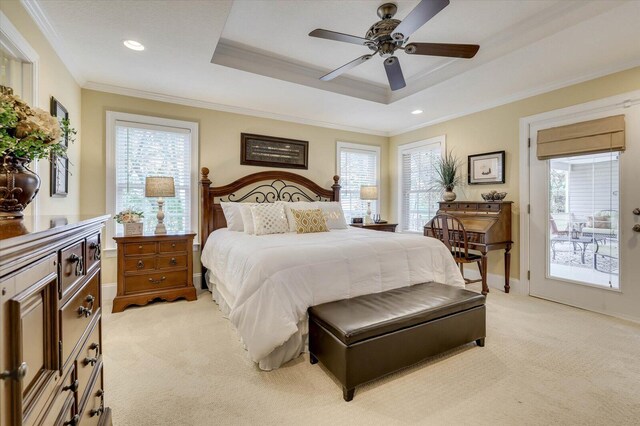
(449,195)
(18,186)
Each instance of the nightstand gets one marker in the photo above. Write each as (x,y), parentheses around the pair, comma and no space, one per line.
(154,267)
(385,227)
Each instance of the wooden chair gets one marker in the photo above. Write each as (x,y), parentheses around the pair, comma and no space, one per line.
(450,230)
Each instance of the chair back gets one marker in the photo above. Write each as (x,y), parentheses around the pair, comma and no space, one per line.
(450,230)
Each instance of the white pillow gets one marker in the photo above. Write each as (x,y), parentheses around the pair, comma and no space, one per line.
(247,217)
(233,216)
(332,211)
(269,218)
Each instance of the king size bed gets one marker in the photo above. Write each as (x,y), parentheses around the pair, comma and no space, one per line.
(264,284)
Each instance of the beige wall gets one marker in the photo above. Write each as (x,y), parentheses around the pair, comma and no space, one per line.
(497,129)
(219,134)
(54,80)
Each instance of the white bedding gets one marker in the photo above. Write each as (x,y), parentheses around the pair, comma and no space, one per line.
(269,281)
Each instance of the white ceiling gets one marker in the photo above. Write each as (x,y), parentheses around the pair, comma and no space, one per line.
(270,64)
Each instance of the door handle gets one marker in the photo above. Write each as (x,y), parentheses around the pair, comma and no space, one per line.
(636,227)
(636,211)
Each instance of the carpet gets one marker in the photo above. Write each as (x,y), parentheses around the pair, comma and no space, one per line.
(544,363)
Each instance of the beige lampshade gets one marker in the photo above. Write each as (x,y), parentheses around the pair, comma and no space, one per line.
(368,192)
(159,186)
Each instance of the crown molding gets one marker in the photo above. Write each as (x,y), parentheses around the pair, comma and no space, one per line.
(34,10)
(152,96)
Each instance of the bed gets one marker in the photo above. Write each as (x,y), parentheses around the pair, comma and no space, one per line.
(265,284)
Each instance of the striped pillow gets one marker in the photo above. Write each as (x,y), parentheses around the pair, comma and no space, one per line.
(309,221)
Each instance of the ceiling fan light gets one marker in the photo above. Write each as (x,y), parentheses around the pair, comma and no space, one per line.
(134,45)
(417,111)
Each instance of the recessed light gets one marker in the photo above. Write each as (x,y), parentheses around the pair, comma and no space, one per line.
(416,112)
(134,45)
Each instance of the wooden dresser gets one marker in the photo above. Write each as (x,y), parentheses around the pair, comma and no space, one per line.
(50,311)
(154,267)
(384,227)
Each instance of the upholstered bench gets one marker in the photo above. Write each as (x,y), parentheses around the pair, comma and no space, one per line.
(367,337)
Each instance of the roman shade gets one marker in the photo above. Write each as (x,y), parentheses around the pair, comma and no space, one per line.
(587,137)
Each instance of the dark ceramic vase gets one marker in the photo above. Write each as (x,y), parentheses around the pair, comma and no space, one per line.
(18,186)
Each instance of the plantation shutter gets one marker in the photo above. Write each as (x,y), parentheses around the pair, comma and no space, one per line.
(357,167)
(419,202)
(143,150)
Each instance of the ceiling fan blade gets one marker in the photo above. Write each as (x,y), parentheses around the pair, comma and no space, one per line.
(394,73)
(346,67)
(466,51)
(419,16)
(332,35)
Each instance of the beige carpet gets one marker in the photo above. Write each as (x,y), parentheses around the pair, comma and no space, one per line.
(182,364)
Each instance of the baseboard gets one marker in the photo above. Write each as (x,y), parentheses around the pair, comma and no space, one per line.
(109,290)
(497,281)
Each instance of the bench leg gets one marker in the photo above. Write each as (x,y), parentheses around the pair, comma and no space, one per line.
(480,342)
(312,359)
(347,394)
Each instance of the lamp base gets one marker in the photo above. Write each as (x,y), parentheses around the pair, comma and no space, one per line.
(161,229)
(367,218)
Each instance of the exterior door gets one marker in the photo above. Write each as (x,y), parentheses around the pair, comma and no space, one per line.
(584,228)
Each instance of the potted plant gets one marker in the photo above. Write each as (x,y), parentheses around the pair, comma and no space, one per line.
(448,175)
(26,134)
(131,220)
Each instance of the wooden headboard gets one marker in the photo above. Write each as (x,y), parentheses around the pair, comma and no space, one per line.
(270,186)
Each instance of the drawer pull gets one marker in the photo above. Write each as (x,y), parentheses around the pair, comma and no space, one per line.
(73,422)
(90,360)
(140,264)
(99,410)
(17,374)
(74,258)
(73,387)
(96,250)
(87,312)
(173,245)
(173,261)
(151,280)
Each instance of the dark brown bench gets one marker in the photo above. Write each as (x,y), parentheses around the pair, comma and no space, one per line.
(367,337)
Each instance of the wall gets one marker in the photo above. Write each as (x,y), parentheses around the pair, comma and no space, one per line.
(497,129)
(219,147)
(54,80)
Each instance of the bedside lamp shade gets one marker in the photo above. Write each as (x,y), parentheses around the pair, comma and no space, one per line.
(159,186)
(368,192)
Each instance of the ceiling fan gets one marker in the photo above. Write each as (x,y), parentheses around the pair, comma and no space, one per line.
(388,35)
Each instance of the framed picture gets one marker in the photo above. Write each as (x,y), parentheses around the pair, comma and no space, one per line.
(486,168)
(269,151)
(59,166)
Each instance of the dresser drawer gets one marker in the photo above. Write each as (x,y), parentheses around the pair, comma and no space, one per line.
(94,409)
(158,280)
(132,264)
(173,246)
(448,206)
(176,261)
(72,266)
(468,206)
(63,406)
(489,207)
(87,359)
(131,249)
(93,251)
(77,314)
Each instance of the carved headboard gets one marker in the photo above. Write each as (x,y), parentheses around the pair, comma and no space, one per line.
(261,187)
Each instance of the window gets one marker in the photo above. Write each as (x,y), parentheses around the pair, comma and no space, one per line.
(357,165)
(141,146)
(419,197)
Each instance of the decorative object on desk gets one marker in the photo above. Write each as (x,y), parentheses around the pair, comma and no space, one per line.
(376,218)
(448,175)
(368,193)
(26,134)
(486,168)
(131,221)
(356,220)
(59,164)
(160,186)
(269,151)
(493,195)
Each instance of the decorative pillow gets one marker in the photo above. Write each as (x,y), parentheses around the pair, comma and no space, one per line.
(332,211)
(247,217)
(309,221)
(233,216)
(269,219)
(603,222)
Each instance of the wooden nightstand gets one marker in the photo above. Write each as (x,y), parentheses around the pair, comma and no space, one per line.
(385,227)
(154,267)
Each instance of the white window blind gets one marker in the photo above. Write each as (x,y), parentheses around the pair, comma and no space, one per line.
(418,196)
(143,150)
(357,165)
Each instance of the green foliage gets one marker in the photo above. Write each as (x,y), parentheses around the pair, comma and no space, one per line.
(448,171)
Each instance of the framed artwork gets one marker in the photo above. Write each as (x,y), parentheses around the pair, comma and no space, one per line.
(486,168)
(269,151)
(59,166)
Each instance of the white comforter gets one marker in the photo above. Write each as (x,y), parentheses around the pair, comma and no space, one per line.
(269,281)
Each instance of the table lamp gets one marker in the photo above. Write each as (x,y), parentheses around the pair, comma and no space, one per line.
(159,186)
(368,193)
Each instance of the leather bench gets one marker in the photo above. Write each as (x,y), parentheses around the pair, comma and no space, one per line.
(367,337)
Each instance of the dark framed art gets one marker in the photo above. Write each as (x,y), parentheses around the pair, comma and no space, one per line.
(486,168)
(59,166)
(269,151)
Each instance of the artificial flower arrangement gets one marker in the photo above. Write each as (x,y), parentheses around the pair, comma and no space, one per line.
(30,133)
(128,216)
